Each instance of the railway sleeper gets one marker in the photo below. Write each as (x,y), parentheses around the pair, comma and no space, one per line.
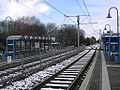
(57,77)
(30,71)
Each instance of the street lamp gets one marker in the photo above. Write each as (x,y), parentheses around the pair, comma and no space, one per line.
(109,49)
(6,19)
(109,27)
(5,41)
(109,16)
(105,29)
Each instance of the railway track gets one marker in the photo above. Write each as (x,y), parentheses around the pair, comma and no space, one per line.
(70,76)
(4,65)
(15,73)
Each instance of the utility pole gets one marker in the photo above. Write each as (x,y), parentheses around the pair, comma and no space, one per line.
(78,22)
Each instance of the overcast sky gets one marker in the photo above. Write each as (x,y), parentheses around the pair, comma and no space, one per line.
(97,9)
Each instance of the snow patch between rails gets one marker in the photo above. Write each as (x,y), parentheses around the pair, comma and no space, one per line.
(38,77)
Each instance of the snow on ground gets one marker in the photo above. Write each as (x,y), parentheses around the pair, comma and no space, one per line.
(26,65)
(38,77)
(29,82)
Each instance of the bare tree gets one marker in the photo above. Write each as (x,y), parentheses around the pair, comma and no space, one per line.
(52,29)
(29,26)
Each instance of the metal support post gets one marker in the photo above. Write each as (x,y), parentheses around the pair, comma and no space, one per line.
(78,21)
(14,49)
(30,47)
(6,49)
(78,18)
(109,50)
(22,64)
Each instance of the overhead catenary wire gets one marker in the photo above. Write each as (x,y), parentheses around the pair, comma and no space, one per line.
(34,10)
(54,7)
(80,7)
(84,19)
(85,7)
(85,13)
(81,10)
(89,16)
(58,10)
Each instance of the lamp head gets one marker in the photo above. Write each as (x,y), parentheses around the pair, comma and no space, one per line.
(108,16)
(105,28)
(108,31)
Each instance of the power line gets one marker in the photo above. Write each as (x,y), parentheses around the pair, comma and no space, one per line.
(80,6)
(87,10)
(34,10)
(84,13)
(88,14)
(84,19)
(54,7)
(85,7)
(82,10)
(58,10)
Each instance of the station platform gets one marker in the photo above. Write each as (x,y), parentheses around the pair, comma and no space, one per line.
(102,75)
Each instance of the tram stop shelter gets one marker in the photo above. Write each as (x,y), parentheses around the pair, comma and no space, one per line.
(27,45)
(111,46)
